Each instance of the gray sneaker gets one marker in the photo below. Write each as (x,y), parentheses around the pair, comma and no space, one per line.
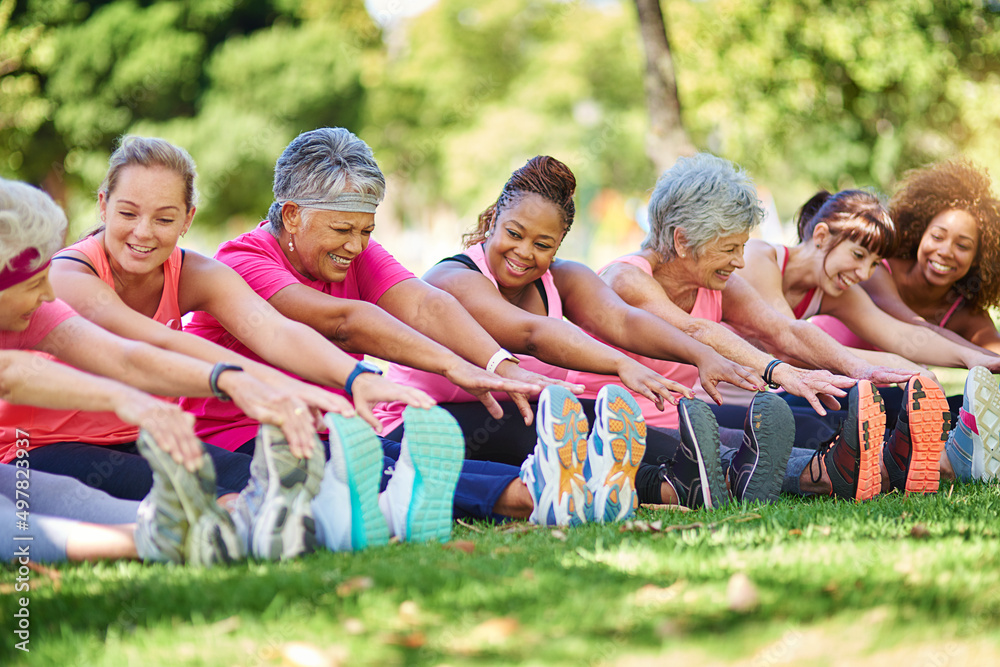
(179,520)
(273,513)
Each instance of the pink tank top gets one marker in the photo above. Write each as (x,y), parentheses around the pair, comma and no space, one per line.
(707,305)
(811,302)
(97,428)
(443,391)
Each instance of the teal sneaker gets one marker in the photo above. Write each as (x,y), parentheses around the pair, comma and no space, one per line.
(346,509)
(614,450)
(553,473)
(421,493)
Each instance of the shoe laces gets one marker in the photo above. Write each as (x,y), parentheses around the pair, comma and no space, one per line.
(824,447)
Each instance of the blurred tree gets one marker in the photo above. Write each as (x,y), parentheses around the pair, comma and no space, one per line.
(232,82)
(472,90)
(666,140)
(839,93)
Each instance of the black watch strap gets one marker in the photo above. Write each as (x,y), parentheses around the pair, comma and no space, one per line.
(213,379)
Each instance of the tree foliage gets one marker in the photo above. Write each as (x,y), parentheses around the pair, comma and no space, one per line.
(802,92)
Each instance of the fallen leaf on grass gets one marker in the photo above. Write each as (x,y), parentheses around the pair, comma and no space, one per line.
(353,585)
(487,634)
(559,535)
(824,530)
(919,531)
(461,545)
(409,611)
(667,508)
(521,528)
(795,531)
(741,594)
(528,574)
(495,630)
(651,594)
(300,654)
(407,640)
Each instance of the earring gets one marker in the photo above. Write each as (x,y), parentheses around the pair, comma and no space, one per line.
(487,233)
(291,247)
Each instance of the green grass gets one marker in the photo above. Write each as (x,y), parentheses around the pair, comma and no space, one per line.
(836,582)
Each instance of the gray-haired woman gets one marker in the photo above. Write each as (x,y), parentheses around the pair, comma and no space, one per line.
(700,216)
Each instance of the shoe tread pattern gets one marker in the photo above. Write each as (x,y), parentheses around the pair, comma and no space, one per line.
(929,419)
(437,450)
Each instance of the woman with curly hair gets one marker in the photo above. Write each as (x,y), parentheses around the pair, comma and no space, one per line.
(944,276)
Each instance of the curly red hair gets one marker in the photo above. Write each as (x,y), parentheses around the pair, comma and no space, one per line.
(953,185)
(542,175)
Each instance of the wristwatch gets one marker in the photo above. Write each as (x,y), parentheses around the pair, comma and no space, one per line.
(359,368)
(213,379)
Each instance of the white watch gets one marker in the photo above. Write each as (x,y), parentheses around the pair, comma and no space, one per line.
(500,355)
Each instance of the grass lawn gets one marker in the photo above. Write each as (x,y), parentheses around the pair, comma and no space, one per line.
(911,581)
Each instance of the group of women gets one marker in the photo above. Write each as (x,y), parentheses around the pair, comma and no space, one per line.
(519,385)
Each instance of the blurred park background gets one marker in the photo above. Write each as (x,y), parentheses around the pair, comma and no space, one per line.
(453,95)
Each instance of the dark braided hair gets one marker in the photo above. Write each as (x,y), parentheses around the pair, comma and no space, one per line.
(542,175)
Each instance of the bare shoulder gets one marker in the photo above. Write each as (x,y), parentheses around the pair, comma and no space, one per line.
(760,250)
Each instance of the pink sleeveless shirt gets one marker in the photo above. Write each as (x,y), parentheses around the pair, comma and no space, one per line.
(443,391)
(96,428)
(707,305)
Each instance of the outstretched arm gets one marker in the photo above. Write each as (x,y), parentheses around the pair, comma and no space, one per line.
(597,308)
(552,340)
(642,291)
(359,326)
(261,392)
(920,344)
(974,330)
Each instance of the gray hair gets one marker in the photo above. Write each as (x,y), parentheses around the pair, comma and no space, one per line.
(29,219)
(322,164)
(705,197)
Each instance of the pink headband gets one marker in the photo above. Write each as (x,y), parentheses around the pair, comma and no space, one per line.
(18,270)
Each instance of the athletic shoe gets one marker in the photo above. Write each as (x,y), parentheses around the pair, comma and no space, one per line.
(851,458)
(695,472)
(273,513)
(421,492)
(614,450)
(912,455)
(974,445)
(759,466)
(553,473)
(346,509)
(179,520)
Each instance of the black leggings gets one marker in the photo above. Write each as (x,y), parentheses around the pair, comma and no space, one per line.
(508,440)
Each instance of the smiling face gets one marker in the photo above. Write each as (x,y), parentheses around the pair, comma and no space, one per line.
(847,264)
(326,242)
(947,250)
(524,240)
(715,261)
(145,216)
(19,303)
